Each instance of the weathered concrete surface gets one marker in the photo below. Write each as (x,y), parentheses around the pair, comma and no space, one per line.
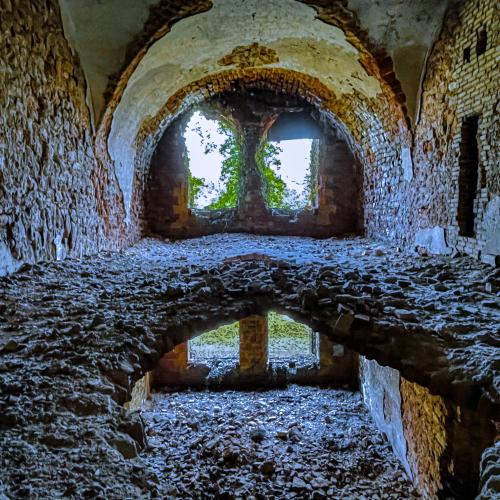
(75,336)
(100,32)
(405,30)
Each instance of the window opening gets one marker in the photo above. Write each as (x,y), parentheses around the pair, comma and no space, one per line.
(467,54)
(221,343)
(289,339)
(212,161)
(468,176)
(287,170)
(482,42)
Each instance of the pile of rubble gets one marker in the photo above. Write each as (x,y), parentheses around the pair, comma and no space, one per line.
(301,442)
(76,335)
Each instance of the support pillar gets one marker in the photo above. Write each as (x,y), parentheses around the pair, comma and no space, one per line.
(252,203)
(253,344)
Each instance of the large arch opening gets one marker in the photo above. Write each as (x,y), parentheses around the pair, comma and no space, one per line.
(381,409)
(312,190)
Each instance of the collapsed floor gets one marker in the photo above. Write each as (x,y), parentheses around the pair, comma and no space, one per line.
(293,443)
(76,335)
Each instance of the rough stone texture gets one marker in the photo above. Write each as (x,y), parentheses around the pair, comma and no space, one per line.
(76,336)
(424,424)
(453,90)
(368,110)
(438,442)
(55,200)
(490,473)
(296,443)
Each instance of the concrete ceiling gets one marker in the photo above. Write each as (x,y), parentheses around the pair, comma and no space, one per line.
(301,42)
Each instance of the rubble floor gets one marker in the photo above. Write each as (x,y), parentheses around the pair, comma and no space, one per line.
(298,442)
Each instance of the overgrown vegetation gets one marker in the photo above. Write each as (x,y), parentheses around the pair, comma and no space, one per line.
(276,193)
(226,335)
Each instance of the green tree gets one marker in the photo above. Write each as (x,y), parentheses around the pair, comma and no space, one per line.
(276,193)
(275,189)
(229,180)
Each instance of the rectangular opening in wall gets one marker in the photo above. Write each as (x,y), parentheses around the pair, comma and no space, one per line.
(467,54)
(221,343)
(468,175)
(291,340)
(482,42)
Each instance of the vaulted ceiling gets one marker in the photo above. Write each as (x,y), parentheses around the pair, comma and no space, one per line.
(139,56)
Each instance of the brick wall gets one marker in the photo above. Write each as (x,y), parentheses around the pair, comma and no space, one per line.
(459,84)
(253,344)
(438,443)
(338,211)
(424,424)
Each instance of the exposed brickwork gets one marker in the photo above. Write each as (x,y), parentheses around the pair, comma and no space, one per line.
(378,143)
(438,442)
(339,198)
(54,199)
(246,56)
(454,90)
(424,423)
(253,344)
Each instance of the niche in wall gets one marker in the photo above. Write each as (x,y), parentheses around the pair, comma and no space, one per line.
(468,176)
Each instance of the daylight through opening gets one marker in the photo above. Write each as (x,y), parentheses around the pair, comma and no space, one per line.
(213,176)
(291,163)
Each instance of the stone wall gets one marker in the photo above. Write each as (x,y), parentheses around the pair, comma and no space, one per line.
(460,82)
(439,443)
(141,391)
(55,200)
(424,424)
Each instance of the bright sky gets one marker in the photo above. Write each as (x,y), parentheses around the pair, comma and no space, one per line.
(294,158)
(294,162)
(204,166)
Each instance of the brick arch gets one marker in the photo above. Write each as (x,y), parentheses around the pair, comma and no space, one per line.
(163,15)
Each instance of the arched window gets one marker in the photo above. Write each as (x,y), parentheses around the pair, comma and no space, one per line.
(213,173)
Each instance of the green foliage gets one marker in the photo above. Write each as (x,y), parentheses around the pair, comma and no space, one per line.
(311,179)
(226,335)
(196,184)
(276,192)
(275,189)
(283,327)
(232,164)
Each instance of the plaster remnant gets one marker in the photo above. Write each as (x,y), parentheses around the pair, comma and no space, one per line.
(433,240)
(250,55)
